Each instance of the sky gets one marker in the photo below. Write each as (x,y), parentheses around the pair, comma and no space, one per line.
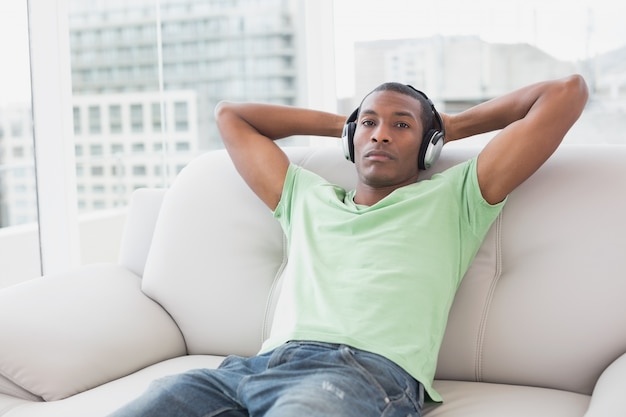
(561,27)
(566,29)
(14,63)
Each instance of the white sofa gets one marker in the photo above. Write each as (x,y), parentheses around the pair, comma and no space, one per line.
(538,327)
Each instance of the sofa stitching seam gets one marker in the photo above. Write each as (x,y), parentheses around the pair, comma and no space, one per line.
(267,323)
(482,330)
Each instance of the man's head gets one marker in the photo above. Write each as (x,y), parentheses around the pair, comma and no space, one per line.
(387,131)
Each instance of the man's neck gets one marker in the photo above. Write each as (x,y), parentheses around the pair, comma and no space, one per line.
(368,196)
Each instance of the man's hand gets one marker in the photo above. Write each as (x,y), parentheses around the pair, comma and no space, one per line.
(249,130)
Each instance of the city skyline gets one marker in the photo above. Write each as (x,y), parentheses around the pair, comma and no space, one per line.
(586,28)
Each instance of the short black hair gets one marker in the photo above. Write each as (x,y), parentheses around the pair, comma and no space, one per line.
(426,114)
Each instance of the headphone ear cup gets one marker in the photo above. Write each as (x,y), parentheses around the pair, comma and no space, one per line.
(347,139)
(430,149)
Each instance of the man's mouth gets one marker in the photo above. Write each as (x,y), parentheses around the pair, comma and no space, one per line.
(378,155)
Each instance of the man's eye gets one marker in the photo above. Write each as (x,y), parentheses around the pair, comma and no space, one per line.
(367,123)
(403,125)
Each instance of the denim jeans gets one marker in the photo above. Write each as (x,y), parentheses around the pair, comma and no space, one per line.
(297,379)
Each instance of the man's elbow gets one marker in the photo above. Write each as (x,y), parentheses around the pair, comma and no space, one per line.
(577,89)
(222,109)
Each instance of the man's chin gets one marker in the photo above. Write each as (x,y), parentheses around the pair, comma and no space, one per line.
(376,178)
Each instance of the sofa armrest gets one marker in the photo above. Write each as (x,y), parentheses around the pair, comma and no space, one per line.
(608,399)
(143,212)
(64,334)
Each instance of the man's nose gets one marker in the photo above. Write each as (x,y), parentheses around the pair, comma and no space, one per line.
(381,134)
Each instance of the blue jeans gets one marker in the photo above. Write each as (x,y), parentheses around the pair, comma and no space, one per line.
(297,379)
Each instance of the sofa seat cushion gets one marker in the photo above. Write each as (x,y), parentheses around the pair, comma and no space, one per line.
(106,398)
(477,399)
(92,325)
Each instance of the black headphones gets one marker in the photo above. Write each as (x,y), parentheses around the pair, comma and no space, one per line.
(430,148)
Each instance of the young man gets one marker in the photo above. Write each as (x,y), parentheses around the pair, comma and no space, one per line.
(373,271)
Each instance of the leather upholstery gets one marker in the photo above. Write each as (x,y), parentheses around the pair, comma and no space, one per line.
(537,327)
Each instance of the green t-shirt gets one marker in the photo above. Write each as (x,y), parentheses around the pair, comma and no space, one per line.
(379,278)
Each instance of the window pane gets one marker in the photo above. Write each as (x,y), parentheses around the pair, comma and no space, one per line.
(480,51)
(19,242)
(209,53)
(143,110)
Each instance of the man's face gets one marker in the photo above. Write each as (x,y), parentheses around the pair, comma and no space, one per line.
(387,139)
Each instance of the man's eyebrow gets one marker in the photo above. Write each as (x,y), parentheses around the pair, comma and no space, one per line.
(396,113)
(369,111)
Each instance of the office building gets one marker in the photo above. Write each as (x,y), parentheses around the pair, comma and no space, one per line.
(237,49)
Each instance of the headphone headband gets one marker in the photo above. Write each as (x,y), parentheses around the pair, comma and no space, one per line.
(438,118)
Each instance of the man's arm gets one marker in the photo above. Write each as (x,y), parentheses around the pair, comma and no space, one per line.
(249,131)
(533,119)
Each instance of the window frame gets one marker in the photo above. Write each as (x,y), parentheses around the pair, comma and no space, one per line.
(53,133)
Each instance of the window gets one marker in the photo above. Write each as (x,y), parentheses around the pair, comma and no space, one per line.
(117,171)
(19,246)
(115,118)
(156,116)
(114,68)
(139,170)
(97,171)
(17,129)
(136,118)
(117,149)
(138,147)
(183,146)
(95,125)
(95,150)
(181,118)
(77,121)
(480,51)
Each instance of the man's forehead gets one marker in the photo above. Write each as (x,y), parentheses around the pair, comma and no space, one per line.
(401,104)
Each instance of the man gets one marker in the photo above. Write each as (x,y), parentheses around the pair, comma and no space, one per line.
(373,271)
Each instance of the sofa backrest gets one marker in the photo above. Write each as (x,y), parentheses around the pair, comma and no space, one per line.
(544,301)
(543,304)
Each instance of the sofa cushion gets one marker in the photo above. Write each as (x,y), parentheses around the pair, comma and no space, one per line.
(475,399)
(106,398)
(8,387)
(608,395)
(215,255)
(109,329)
